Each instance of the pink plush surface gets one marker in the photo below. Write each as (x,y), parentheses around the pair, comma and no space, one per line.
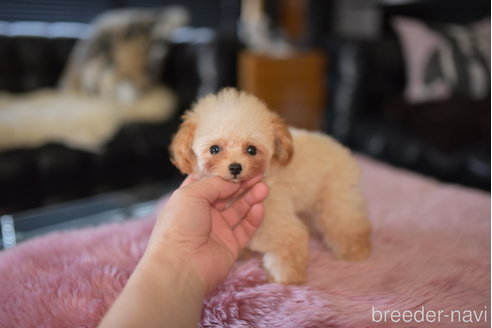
(431,250)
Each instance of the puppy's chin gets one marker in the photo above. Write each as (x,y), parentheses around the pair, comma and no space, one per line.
(231,178)
(227,177)
(235,180)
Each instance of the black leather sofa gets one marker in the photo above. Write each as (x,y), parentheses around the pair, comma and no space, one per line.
(136,155)
(449,140)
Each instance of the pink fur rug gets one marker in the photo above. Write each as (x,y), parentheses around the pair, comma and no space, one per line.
(431,254)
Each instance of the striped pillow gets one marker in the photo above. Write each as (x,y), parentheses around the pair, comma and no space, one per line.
(443,60)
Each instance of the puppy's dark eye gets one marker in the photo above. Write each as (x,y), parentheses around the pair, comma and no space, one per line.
(251,150)
(214,149)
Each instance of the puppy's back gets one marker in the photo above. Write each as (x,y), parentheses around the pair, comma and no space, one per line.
(318,159)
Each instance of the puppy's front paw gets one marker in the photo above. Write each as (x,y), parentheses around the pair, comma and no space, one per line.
(287,278)
(285,271)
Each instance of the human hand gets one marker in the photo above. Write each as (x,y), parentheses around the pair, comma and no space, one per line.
(206,223)
(194,243)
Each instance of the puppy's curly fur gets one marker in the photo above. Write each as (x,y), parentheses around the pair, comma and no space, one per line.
(233,135)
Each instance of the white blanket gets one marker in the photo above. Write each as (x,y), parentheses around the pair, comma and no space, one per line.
(78,121)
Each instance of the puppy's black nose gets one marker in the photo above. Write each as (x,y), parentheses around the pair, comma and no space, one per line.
(235,168)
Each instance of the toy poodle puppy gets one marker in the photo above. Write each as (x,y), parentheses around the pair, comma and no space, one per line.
(311,177)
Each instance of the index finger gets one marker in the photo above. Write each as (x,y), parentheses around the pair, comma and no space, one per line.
(243,187)
(211,189)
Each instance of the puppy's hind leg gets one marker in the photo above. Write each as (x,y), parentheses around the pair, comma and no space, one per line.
(344,223)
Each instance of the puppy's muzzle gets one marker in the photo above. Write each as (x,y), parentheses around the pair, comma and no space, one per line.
(235,169)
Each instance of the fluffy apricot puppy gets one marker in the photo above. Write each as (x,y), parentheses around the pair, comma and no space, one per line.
(233,135)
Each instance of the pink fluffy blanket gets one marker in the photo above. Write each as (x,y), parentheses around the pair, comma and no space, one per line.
(430,267)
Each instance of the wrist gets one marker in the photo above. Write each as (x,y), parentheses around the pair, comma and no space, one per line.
(173,266)
(161,292)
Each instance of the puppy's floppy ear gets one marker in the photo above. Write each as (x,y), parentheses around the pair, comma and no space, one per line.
(182,155)
(284,148)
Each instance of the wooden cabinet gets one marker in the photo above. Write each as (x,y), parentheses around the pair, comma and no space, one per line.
(292,85)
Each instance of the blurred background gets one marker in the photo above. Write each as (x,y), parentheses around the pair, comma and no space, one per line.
(91,91)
